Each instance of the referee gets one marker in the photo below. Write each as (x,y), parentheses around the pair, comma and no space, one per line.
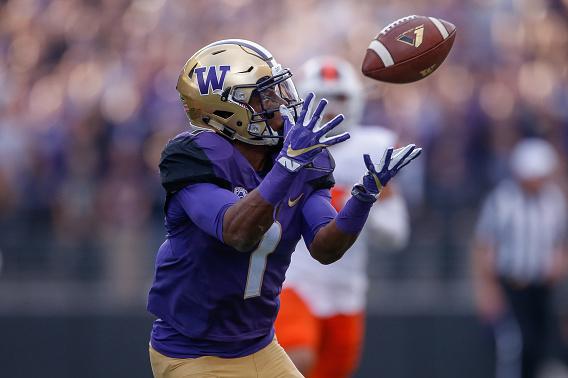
(518,256)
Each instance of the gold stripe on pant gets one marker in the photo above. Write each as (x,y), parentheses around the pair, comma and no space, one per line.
(269,362)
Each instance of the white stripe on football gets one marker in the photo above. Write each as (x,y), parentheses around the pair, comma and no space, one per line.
(441,28)
(381,52)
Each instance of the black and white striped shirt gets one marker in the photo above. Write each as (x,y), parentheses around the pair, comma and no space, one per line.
(524,229)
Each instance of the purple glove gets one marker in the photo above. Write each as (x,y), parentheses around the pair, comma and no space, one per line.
(305,138)
(378,176)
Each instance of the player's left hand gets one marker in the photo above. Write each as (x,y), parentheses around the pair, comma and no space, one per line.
(391,163)
(304,138)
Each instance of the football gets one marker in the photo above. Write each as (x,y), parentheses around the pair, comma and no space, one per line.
(409,49)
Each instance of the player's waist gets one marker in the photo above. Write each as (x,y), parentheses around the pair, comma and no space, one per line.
(193,319)
(172,343)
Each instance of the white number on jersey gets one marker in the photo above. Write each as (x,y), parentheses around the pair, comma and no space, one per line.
(257,263)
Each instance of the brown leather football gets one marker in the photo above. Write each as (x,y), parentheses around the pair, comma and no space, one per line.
(409,49)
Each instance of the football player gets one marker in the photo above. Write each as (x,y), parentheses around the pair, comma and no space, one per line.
(250,177)
(321,318)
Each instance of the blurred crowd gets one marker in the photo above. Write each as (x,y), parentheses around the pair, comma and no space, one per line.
(88,100)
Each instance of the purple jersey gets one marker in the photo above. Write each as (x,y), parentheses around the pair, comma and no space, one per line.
(211,299)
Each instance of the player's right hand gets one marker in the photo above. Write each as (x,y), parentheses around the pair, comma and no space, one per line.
(304,138)
(378,176)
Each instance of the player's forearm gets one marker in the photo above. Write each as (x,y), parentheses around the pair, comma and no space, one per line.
(330,243)
(334,239)
(247,221)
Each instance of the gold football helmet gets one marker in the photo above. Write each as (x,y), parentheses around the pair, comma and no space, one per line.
(218,82)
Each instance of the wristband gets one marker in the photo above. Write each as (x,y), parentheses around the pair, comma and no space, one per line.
(275,184)
(353,216)
(361,193)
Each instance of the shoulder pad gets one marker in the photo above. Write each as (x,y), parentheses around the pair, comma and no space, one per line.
(319,174)
(192,157)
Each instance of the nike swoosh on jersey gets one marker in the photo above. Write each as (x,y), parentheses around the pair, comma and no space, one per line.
(292,203)
(293,153)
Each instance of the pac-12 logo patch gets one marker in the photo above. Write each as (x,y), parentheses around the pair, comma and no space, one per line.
(412,37)
(214,79)
(240,192)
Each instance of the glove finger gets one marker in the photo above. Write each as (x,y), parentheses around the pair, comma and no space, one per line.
(331,124)
(400,156)
(287,117)
(369,163)
(417,151)
(336,139)
(411,157)
(386,159)
(285,113)
(399,152)
(317,114)
(306,107)
(402,160)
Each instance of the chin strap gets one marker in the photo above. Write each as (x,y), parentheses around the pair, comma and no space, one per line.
(232,135)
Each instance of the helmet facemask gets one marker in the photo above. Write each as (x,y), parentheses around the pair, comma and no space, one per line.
(270,92)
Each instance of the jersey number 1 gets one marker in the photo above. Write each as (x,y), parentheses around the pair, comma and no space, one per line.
(257,264)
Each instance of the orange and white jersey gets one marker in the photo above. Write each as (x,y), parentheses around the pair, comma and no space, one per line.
(340,288)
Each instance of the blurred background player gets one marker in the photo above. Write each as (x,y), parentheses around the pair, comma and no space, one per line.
(519,256)
(321,318)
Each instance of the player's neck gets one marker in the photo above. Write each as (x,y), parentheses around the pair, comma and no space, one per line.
(257,156)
